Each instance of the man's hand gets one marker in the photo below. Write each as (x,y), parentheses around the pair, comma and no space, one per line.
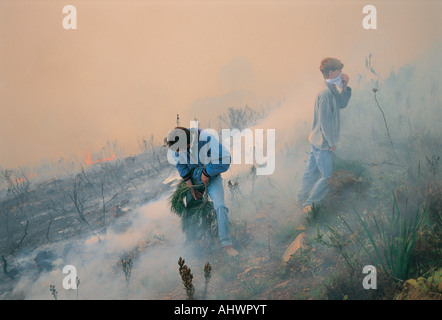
(345,80)
(332,148)
(195,193)
(205,178)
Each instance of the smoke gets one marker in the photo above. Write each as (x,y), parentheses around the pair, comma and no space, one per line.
(152,235)
(254,56)
(129,69)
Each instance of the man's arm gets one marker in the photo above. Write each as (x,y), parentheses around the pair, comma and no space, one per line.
(185,173)
(343,98)
(213,169)
(326,119)
(219,163)
(219,158)
(345,95)
(181,165)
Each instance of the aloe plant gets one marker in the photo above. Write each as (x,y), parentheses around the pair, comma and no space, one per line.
(393,247)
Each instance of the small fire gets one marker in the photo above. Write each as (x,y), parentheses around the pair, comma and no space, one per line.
(118,212)
(89,160)
(28,176)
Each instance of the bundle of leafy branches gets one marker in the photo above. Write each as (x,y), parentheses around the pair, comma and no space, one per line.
(198,217)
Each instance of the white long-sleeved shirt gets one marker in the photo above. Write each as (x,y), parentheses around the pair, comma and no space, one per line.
(326,122)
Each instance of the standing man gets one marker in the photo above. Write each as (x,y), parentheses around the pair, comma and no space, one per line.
(324,135)
(202,165)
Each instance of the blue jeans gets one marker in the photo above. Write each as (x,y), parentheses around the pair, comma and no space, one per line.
(318,170)
(215,191)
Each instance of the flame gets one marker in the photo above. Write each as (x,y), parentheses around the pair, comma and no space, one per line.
(109,159)
(89,160)
(28,176)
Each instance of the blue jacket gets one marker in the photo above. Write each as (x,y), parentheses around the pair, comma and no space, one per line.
(217,161)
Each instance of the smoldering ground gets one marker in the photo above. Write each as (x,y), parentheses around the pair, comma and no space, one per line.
(98,258)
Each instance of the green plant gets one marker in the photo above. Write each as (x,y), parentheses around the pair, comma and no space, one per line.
(176,199)
(315,212)
(423,288)
(302,262)
(393,247)
(251,288)
(198,217)
(338,241)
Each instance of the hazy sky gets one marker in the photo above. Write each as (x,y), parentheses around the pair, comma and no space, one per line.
(131,66)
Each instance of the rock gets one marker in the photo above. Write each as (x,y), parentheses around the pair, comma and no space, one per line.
(294,246)
(248,271)
(282,284)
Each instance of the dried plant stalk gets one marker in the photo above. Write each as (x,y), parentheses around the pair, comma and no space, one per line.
(187,277)
(53,291)
(207,276)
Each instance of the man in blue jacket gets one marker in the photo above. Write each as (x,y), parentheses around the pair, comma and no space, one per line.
(324,135)
(199,157)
